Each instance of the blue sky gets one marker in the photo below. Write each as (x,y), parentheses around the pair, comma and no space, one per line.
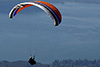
(32,31)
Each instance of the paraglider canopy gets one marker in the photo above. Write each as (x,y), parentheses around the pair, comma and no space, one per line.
(51,10)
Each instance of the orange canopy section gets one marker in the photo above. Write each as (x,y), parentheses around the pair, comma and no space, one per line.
(52,7)
(23,7)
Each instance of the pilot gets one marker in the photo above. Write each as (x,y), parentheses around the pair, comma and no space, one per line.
(32,60)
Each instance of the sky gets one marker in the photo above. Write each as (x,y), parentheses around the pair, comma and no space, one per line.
(33,32)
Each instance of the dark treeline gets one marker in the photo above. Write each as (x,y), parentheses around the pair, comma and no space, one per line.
(76,63)
(56,63)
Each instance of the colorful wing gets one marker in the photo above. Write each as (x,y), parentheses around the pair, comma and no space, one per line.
(51,10)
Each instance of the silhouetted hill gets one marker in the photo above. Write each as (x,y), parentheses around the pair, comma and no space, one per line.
(20,64)
(56,63)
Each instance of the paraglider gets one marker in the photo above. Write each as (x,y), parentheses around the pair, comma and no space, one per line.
(51,10)
(32,60)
